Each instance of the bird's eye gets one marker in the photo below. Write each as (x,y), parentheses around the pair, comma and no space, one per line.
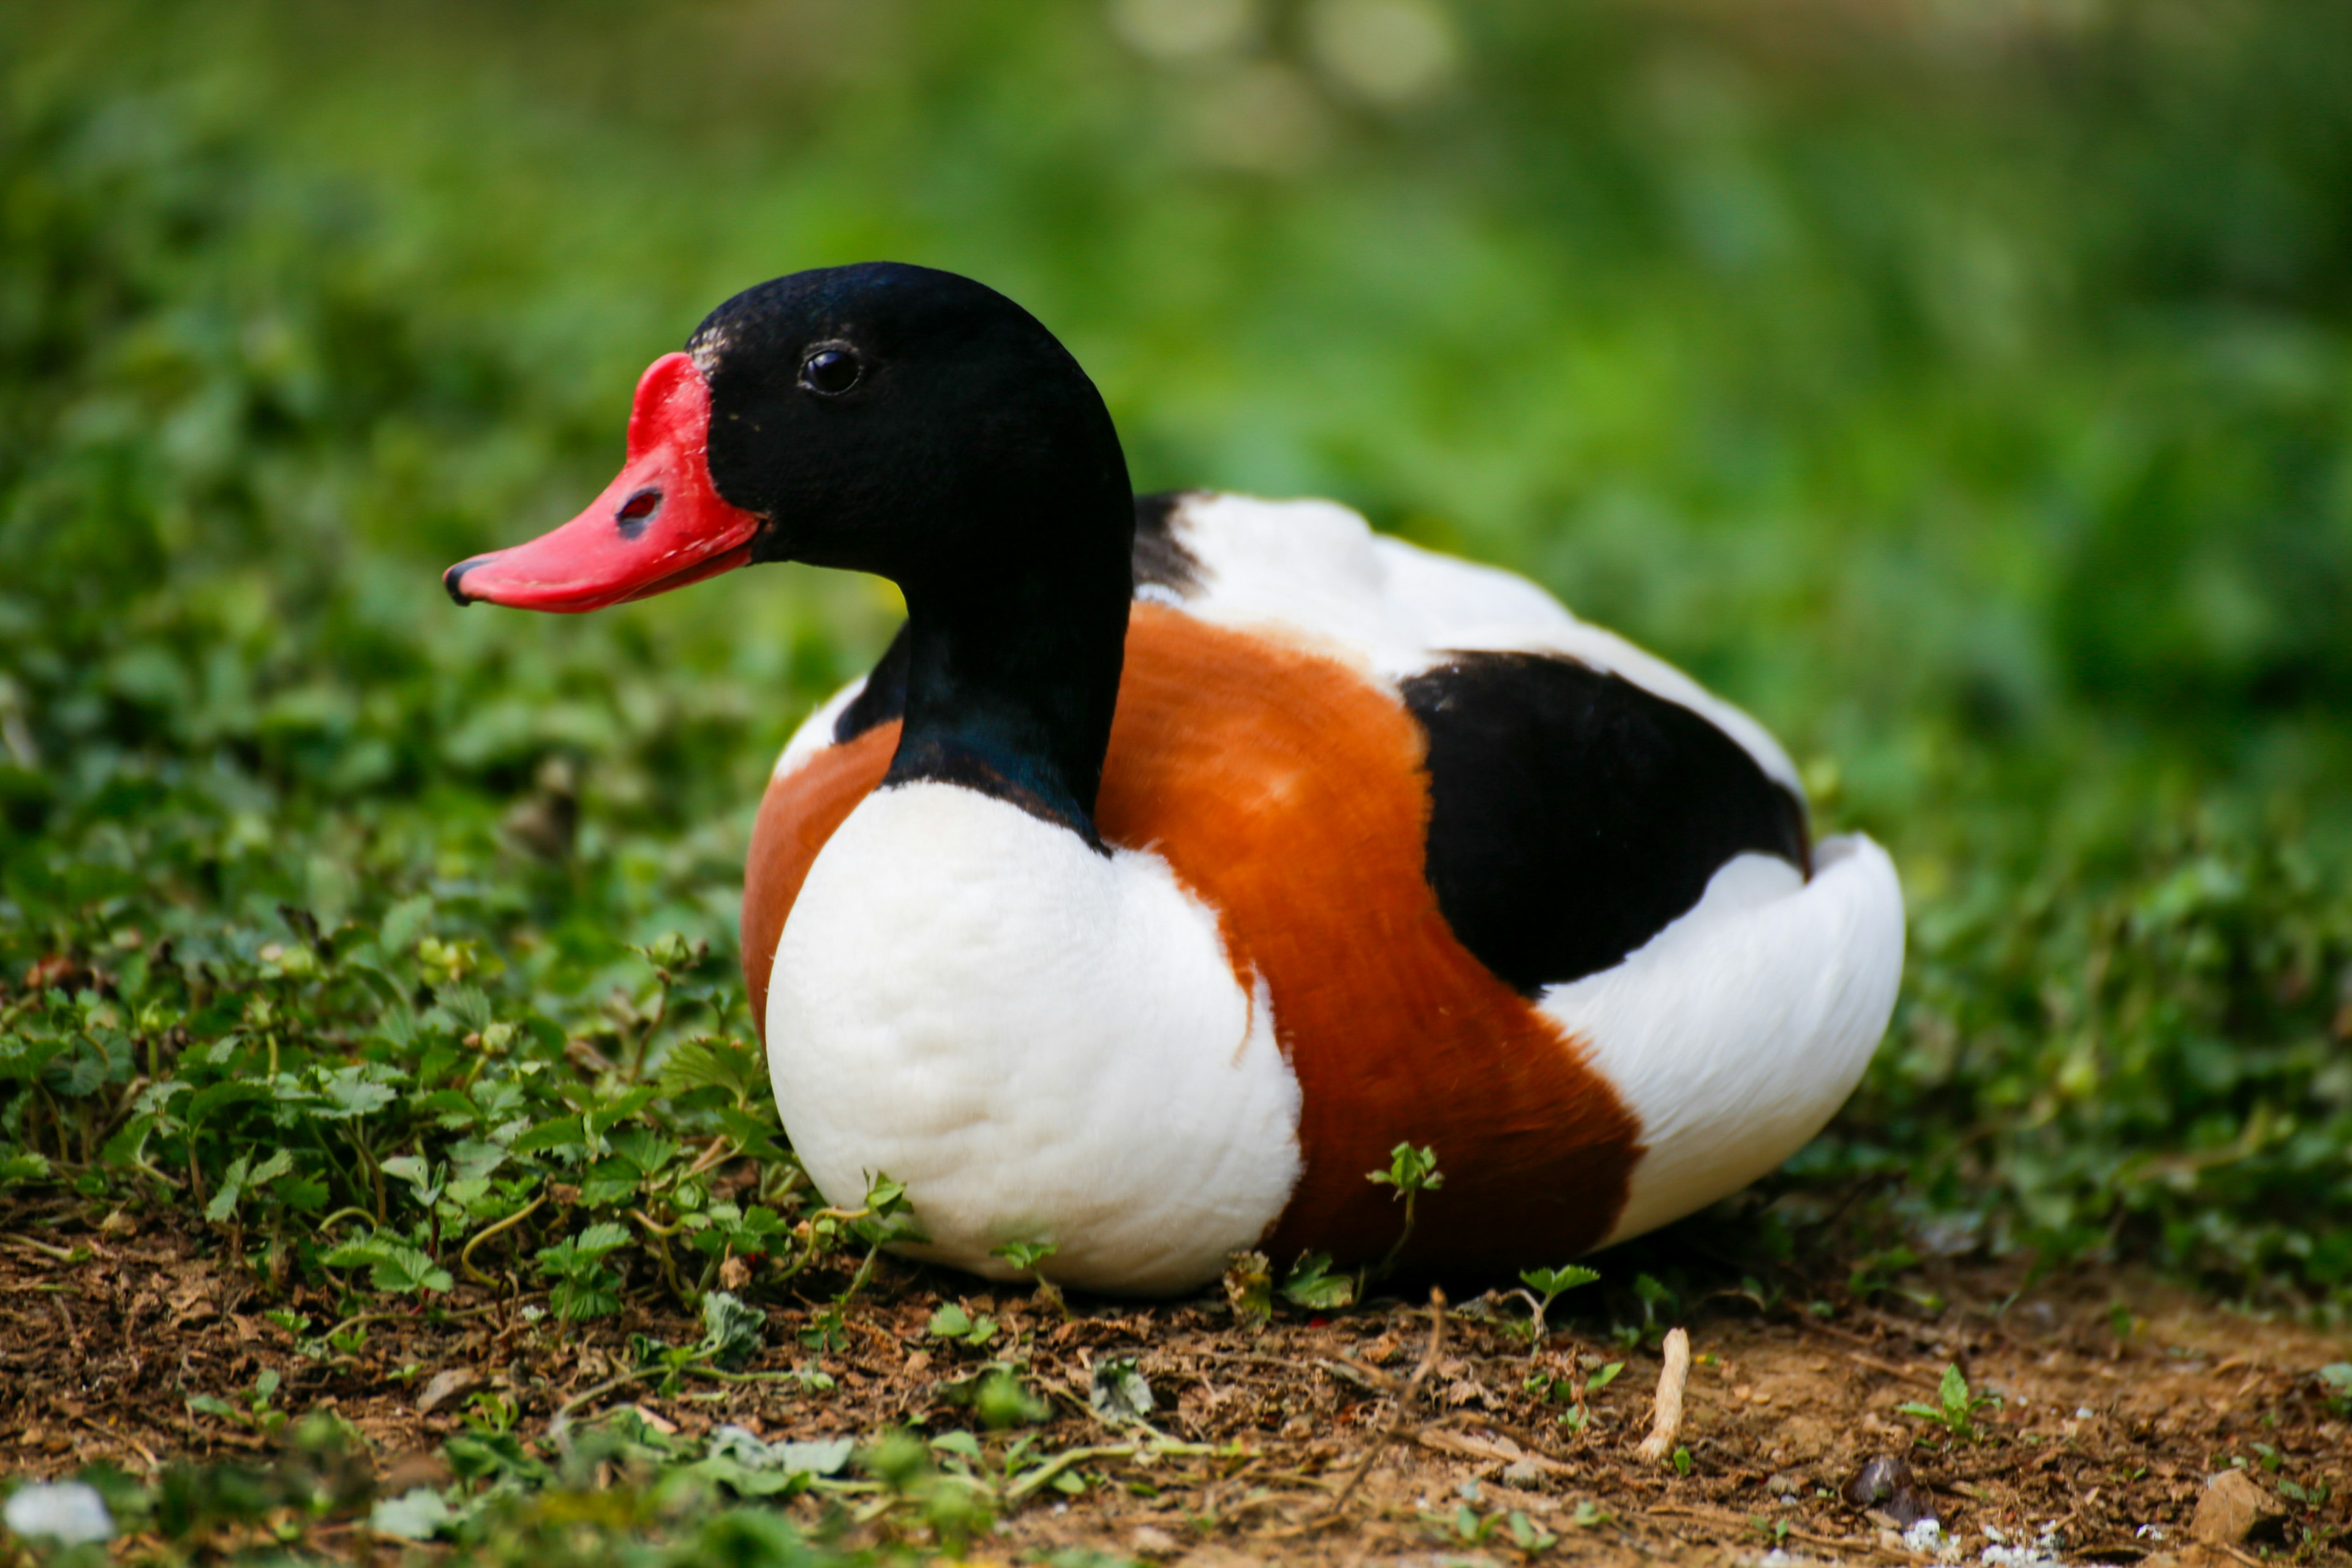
(831,372)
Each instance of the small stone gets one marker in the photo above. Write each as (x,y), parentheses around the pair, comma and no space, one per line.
(70,1512)
(444,1386)
(2233,1508)
(407,1472)
(1885,1485)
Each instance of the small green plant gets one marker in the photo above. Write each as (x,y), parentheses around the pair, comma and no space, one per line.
(394,1264)
(2336,1379)
(1411,1172)
(489,1414)
(733,1331)
(1576,1395)
(1547,1286)
(952,1322)
(1029,1258)
(997,1394)
(582,1285)
(1956,1405)
(1468,1526)
(260,1411)
(1312,1285)
(950,1502)
(1528,1536)
(2314,1495)
(887,1219)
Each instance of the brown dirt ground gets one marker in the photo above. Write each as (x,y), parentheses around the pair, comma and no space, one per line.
(105,1333)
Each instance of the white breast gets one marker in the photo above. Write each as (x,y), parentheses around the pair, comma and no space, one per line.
(1044,1043)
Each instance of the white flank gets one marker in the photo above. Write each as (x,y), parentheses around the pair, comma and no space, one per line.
(1736,1033)
(1042,1043)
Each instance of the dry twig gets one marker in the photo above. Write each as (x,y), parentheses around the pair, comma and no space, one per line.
(1667,1420)
(1401,1427)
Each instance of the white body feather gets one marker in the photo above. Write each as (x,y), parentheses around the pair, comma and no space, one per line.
(1045,1044)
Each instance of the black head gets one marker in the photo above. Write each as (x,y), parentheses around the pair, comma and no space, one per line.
(881,418)
(904,421)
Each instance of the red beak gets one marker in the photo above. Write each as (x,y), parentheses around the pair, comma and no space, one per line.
(660,525)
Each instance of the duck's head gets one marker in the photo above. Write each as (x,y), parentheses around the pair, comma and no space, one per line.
(881,418)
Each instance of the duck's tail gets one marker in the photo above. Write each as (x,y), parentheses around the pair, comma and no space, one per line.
(1737,1033)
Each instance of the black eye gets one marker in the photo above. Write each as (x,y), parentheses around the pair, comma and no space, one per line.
(831,372)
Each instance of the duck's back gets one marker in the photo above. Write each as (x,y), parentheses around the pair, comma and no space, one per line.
(1514,889)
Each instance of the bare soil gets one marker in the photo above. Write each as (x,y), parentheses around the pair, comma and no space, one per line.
(2104,1439)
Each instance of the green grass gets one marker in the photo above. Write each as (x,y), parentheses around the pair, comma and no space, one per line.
(1972,399)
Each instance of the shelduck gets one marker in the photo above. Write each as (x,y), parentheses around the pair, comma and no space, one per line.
(1184,854)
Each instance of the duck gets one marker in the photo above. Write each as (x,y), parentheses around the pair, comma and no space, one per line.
(1186,856)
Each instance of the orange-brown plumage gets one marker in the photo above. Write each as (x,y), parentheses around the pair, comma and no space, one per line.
(1286,789)
(797,814)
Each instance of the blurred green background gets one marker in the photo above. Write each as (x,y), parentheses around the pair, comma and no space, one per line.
(1963,387)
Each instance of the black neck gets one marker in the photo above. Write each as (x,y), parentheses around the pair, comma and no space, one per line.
(1014,663)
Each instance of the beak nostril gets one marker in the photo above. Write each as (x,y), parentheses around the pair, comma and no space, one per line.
(636,510)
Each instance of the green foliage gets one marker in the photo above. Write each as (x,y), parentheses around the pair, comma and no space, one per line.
(505,1505)
(998,1396)
(1576,1394)
(733,1331)
(1030,1257)
(1956,1405)
(582,1285)
(1311,1284)
(2335,1378)
(1984,431)
(392,1265)
(1548,1285)
(1411,1172)
(1468,1526)
(1026,1256)
(951,1321)
(258,1411)
(949,1500)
